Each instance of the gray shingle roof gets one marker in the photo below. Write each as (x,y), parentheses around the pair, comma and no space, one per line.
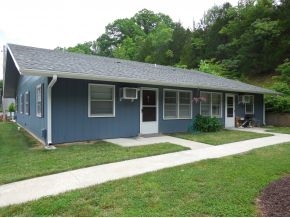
(71,65)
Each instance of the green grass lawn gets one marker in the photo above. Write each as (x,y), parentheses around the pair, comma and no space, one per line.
(218,187)
(221,137)
(21,157)
(285,130)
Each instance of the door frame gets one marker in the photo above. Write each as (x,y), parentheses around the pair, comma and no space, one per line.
(226,109)
(142,132)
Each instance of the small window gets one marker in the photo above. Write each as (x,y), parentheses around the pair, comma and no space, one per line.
(177,104)
(211,104)
(21,103)
(27,103)
(101,100)
(249,105)
(39,100)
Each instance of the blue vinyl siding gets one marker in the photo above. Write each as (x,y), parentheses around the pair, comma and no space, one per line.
(258,107)
(70,121)
(31,122)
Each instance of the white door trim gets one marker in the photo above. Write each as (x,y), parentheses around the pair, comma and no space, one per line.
(230,121)
(149,127)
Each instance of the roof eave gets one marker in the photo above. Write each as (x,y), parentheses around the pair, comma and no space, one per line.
(84,76)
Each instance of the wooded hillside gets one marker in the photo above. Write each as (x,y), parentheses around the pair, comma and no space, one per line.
(250,40)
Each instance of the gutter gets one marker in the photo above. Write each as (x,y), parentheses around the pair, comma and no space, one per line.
(49,88)
(87,76)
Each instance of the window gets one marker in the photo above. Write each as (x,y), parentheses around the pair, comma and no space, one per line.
(39,100)
(249,104)
(27,103)
(170,104)
(21,103)
(211,105)
(101,100)
(177,104)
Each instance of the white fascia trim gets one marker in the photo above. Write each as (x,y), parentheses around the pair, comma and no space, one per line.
(87,76)
(49,128)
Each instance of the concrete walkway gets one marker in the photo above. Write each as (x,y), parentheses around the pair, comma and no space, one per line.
(138,141)
(36,188)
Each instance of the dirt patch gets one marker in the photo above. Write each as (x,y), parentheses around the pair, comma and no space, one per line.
(275,199)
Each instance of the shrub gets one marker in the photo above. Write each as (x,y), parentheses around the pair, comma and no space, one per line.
(279,103)
(11,107)
(205,124)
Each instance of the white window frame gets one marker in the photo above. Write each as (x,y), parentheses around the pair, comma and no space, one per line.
(27,103)
(39,114)
(177,91)
(253,106)
(221,104)
(21,103)
(89,100)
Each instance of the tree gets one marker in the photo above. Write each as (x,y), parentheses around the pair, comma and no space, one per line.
(126,50)
(179,37)
(284,70)
(85,48)
(253,35)
(251,38)
(147,20)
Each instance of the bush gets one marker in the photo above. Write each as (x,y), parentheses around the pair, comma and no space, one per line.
(205,124)
(11,107)
(280,103)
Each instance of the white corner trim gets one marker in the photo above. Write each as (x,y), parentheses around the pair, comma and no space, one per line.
(49,129)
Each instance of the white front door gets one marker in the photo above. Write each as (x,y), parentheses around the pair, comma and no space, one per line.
(148,111)
(230,110)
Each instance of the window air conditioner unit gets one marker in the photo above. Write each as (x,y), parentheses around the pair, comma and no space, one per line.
(246,99)
(129,93)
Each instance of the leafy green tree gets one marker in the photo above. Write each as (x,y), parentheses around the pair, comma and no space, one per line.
(148,20)
(280,103)
(84,48)
(105,46)
(217,68)
(210,66)
(176,45)
(158,41)
(121,29)
(249,39)
(126,50)
(284,70)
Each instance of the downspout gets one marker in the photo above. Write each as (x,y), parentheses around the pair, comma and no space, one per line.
(49,129)
(264,111)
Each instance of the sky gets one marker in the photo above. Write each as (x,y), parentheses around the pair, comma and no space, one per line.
(65,23)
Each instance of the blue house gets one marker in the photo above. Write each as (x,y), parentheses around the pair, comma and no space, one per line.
(67,97)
